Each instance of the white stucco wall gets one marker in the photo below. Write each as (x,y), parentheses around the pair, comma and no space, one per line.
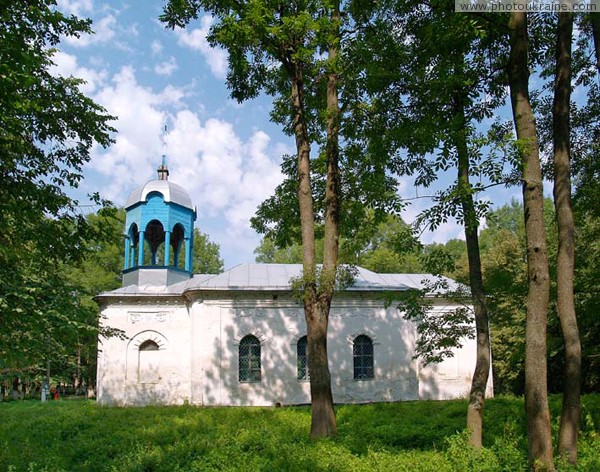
(165,322)
(198,341)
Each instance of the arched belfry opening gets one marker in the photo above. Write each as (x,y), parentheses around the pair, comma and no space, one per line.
(159,233)
(178,244)
(155,237)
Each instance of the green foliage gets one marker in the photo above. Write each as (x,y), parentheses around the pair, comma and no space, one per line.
(587,275)
(47,129)
(100,269)
(268,252)
(441,55)
(504,264)
(439,332)
(405,436)
(206,257)
(385,247)
(325,282)
(267,44)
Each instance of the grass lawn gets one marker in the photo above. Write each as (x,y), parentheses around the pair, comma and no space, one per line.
(77,435)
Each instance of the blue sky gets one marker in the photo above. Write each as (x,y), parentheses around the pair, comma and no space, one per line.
(227,155)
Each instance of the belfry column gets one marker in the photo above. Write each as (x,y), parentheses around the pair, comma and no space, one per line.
(141,250)
(188,255)
(127,251)
(167,247)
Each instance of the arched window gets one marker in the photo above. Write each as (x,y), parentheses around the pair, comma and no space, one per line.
(148,362)
(249,354)
(362,351)
(302,362)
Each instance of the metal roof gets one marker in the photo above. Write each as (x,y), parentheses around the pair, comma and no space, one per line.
(277,277)
(171,192)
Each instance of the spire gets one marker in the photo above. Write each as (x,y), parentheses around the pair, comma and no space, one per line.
(163,170)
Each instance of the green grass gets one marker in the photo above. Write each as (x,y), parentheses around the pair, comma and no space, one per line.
(411,436)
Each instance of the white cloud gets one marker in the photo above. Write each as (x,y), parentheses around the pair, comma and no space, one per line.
(226,176)
(167,67)
(195,39)
(156,47)
(137,146)
(104,31)
(75,7)
(66,65)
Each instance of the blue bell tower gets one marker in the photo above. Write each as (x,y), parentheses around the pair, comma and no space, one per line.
(159,233)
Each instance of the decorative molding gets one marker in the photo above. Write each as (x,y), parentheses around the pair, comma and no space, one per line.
(262,339)
(267,311)
(352,312)
(248,303)
(255,312)
(366,332)
(297,338)
(148,335)
(278,311)
(148,316)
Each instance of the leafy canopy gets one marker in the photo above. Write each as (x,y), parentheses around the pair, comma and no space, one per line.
(47,129)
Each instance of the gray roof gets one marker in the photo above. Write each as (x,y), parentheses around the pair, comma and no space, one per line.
(277,277)
(171,192)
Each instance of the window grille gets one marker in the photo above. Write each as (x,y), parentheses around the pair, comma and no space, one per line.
(363,358)
(302,351)
(249,357)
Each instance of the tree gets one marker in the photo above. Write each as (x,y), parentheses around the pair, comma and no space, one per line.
(100,267)
(595,21)
(99,270)
(569,421)
(536,397)
(47,128)
(273,47)
(442,55)
(504,264)
(587,274)
(388,247)
(268,252)
(206,256)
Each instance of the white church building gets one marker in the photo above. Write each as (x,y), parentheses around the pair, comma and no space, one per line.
(239,338)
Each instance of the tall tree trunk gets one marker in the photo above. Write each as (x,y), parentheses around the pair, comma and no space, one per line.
(323,419)
(536,395)
(482,364)
(569,420)
(323,416)
(595,20)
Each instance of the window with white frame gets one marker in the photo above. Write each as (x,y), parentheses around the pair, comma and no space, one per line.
(302,358)
(249,359)
(362,350)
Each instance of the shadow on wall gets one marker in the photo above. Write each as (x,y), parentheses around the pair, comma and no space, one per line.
(278,327)
(396,374)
